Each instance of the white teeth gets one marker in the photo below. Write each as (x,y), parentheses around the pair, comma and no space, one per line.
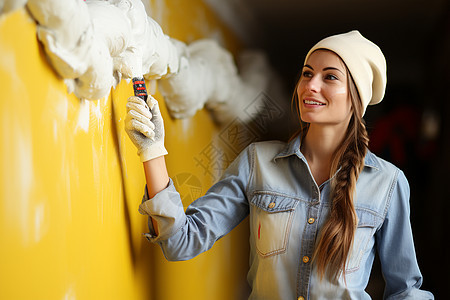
(313,102)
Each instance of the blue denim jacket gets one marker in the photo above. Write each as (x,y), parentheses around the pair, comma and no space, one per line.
(272,183)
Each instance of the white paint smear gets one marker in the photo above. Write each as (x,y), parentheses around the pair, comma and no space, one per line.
(96,43)
(83,116)
(208,77)
(93,44)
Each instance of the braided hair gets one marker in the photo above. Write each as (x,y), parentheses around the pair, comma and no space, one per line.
(337,234)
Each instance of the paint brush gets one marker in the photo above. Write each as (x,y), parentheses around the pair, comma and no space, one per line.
(139,88)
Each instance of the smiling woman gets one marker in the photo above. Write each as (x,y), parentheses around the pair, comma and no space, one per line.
(322,90)
(320,206)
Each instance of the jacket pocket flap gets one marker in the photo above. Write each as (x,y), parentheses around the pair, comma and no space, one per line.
(273,203)
(367,218)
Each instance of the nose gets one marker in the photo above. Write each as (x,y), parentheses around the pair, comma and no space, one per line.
(314,84)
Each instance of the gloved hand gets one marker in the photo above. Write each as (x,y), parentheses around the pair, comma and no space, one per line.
(145,128)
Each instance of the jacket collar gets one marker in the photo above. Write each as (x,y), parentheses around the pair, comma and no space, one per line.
(293,148)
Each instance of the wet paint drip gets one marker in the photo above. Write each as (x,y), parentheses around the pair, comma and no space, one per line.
(259,231)
(139,88)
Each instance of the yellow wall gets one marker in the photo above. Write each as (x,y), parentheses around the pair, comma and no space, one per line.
(71,181)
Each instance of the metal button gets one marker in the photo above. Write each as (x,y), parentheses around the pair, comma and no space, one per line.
(305,259)
(311,220)
(301,298)
(271,204)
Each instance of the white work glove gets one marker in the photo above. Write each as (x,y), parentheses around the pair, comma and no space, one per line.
(145,127)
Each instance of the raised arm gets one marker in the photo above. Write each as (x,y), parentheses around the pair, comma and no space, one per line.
(156,175)
(183,235)
(145,127)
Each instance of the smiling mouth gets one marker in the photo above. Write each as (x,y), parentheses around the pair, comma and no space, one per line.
(312,102)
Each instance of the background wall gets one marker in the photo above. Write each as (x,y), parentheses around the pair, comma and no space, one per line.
(71,182)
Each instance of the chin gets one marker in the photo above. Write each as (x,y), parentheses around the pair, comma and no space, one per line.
(307,118)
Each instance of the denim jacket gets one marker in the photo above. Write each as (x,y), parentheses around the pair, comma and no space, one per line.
(272,183)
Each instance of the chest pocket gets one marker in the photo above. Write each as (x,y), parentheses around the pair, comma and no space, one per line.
(270,222)
(364,238)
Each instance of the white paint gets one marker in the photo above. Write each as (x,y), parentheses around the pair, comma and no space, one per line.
(16,163)
(93,44)
(70,293)
(97,109)
(40,223)
(24,177)
(83,116)
(157,10)
(8,62)
(210,78)
(208,74)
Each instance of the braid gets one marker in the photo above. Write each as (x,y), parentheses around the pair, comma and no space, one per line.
(338,231)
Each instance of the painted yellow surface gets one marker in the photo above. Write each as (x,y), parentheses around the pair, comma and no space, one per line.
(71,181)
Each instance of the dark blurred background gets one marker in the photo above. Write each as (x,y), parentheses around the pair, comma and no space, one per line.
(410,127)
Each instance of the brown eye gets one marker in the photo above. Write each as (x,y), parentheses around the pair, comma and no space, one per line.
(307,74)
(331,77)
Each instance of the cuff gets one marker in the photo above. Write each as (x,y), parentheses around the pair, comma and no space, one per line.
(167,210)
(154,151)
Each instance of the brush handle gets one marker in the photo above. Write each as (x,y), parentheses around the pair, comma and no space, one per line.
(139,88)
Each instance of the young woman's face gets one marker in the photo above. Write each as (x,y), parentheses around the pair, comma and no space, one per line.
(322,91)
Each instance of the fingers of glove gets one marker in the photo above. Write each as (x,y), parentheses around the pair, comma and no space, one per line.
(134,115)
(139,105)
(135,112)
(154,106)
(157,119)
(137,100)
(151,101)
(138,111)
(142,128)
(133,118)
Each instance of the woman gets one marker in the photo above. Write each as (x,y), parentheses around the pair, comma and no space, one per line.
(319,206)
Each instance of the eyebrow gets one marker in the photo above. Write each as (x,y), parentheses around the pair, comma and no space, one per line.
(325,69)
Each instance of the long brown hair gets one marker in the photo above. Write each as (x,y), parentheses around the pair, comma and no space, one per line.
(336,236)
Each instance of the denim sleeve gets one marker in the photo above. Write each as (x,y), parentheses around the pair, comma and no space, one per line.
(396,247)
(184,235)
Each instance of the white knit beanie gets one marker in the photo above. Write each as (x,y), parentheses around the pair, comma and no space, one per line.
(364,60)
